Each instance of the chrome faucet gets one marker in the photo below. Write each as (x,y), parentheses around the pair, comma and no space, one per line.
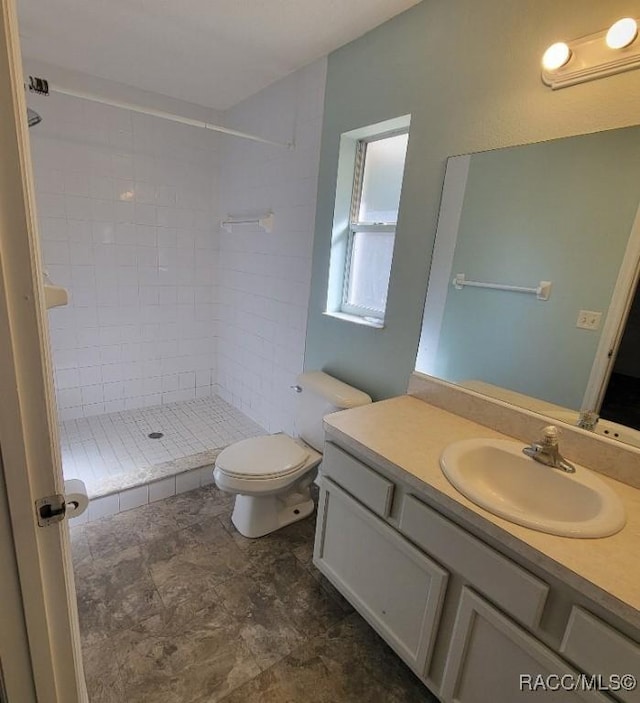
(546,451)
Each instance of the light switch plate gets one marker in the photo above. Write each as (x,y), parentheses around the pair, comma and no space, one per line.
(588,320)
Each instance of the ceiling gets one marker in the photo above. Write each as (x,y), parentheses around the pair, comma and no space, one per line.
(209,52)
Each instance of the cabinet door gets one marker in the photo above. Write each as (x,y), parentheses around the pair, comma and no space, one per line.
(595,646)
(493,660)
(395,587)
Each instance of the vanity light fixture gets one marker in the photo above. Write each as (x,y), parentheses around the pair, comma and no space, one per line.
(604,53)
(622,33)
(556,56)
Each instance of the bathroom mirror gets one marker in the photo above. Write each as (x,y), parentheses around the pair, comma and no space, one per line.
(530,296)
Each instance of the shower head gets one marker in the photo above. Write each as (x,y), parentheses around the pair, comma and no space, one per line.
(33,118)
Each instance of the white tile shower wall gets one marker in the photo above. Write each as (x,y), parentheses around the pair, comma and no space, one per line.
(265,278)
(127,218)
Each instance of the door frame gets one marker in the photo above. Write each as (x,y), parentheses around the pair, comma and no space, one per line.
(615,322)
(28,419)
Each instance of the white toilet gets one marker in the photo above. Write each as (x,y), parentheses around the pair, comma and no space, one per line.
(272,475)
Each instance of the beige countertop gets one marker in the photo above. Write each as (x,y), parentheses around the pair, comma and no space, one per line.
(406,436)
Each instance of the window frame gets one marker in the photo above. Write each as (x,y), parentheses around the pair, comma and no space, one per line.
(355,225)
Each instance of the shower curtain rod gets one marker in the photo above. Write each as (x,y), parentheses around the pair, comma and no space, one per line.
(155,113)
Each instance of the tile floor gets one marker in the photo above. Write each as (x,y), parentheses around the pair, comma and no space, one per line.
(104,448)
(176,606)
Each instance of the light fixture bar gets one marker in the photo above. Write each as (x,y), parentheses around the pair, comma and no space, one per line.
(591,59)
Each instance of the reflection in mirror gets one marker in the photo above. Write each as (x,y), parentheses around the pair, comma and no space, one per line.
(621,401)
(564,212)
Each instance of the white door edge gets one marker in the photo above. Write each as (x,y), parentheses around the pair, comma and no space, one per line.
(617,314)
(28,436)
(15,659)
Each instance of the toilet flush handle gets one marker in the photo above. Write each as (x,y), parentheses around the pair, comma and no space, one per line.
(296,388)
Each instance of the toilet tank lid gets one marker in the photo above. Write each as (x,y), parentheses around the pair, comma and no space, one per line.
(337,393)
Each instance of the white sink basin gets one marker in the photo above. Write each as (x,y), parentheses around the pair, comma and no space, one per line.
(498,477)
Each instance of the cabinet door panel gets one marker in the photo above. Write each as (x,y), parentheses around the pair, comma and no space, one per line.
(597,648)
(489,654)
(392,584)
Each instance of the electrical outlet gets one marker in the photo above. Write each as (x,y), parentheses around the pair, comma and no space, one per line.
(588,320)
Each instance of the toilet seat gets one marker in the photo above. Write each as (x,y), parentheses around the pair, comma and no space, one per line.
(272,476)
(262,458)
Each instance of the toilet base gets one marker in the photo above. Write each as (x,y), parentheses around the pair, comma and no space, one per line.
(256,516)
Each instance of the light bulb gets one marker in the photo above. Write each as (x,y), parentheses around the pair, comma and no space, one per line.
(622,33)
(556,56)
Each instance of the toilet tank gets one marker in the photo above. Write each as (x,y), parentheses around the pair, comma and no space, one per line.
(319,395)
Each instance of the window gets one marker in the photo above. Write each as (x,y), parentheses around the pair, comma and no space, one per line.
(369,182)
(372,224)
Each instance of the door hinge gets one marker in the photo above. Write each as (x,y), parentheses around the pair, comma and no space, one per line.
(51,509)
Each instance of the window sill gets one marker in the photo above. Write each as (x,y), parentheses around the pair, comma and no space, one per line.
(356,319)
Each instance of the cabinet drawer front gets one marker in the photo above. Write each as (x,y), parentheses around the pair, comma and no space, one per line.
(515,590)
(492,660)
(375,491)
(597,648)
(390,582)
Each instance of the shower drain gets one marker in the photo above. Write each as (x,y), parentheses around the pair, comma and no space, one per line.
(155,435)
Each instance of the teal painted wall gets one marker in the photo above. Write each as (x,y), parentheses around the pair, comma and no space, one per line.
(560,211)
(468,72)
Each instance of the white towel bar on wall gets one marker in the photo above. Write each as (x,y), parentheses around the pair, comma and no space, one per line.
(542,291)
(264,221)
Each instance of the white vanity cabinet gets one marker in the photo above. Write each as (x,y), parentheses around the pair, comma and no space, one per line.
(593,645)
(395,586)
(469,620)
(493,660)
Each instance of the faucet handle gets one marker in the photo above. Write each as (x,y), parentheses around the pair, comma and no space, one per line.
(550,435)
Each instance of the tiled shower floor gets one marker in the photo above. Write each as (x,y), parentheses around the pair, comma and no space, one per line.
(113,452)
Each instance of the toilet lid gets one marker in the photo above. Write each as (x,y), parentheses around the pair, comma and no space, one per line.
(262,457)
